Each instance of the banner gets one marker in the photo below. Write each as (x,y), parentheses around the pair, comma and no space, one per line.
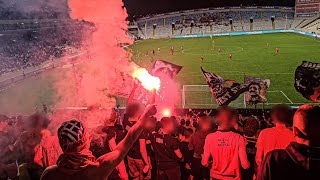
(307,80)
(164,68)
(257,90)
(224,91)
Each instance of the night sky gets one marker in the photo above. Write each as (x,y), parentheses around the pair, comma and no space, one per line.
(145,7)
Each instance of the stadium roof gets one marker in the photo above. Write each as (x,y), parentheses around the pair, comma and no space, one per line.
(146,7)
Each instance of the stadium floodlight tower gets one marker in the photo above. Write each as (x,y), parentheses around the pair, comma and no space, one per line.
(231,24)
(251,23)
(173,26)
(211,26)
(273,23)
(191,26)
(154,29)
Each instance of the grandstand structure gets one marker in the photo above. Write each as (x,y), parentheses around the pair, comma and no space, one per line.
(223,19)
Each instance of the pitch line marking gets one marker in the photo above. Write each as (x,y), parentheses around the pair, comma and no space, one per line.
(287,97)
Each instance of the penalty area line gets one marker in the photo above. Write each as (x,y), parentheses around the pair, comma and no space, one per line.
(287,97)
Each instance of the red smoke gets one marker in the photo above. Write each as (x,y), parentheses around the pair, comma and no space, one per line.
(96,80)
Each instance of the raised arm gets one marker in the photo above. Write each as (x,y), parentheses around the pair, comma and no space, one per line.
(109,161)
(131,96)
(121,167)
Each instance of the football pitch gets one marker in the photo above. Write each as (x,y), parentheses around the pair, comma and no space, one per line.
(250,57)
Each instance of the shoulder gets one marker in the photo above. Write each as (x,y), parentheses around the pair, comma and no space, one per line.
(171,139)
(49,173)
(267,130)
(211,135)
(278,156)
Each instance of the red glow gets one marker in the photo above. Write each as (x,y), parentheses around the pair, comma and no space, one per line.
(147,81)
(166,112)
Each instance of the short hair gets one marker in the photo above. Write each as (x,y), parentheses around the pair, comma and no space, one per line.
(228,109)
(188,122)
(250,127)
(230,121)
(182,122)
(306,119)
(188,132)
(195,125)
(282,113)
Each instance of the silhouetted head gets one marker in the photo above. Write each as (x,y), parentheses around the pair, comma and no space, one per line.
(306,125)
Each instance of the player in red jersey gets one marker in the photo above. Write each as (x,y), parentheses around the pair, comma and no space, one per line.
(277,51)
(172,50)
(201,59)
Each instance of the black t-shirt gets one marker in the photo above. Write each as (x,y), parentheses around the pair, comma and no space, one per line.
(164,146)
(134,152)
(251,154)
(187,154)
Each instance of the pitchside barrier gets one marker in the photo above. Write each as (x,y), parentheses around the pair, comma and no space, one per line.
(248,33)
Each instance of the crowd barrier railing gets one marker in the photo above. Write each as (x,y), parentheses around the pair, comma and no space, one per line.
(247,33)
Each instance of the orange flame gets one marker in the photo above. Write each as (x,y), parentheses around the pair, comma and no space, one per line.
(147,81)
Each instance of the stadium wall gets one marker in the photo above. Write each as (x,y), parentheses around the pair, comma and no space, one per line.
(248,33)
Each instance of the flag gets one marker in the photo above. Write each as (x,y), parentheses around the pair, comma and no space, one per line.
(257,90)
(167,72)
(164,68)
(307,80)
(224,91)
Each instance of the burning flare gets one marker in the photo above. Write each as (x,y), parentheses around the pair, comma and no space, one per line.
(147,81)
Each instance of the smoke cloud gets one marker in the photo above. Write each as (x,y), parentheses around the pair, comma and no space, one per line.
(98,78)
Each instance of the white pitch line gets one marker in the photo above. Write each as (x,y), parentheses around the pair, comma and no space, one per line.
(286,97)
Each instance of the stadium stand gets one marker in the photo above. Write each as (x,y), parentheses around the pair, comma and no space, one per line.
(218,17)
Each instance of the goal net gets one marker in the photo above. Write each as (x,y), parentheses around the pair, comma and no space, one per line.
(200,97)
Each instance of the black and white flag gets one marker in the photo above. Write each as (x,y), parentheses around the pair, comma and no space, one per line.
(224,91)
(307,80)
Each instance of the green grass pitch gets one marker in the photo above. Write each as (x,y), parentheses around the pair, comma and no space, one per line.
(250,57)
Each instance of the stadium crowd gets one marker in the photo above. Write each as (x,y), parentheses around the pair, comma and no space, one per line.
(220,144)
(26,43)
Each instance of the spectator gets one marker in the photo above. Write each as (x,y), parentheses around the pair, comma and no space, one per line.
(36,147)
(250,131)
(184,138)
(167,152)
(278,137)
(226,147)
(138,159)
(77,161)
(105,140)
(300,159)
(197,144)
